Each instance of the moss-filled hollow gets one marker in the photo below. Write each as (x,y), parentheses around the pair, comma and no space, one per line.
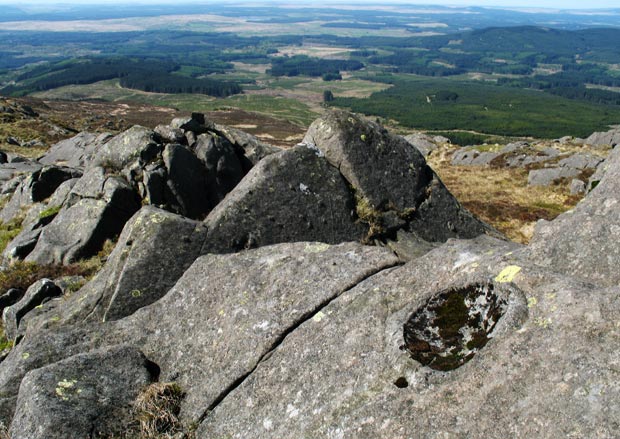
(453,325)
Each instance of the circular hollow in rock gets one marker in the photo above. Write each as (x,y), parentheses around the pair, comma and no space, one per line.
(453,325)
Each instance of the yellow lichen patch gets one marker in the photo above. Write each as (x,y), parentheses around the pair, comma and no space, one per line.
(543,323)
(318,247)
(65,388)
(508,274)
(531,302)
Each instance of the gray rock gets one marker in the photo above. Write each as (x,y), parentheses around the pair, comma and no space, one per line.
(37,293)
(15,158)
(40,185)
(228,312)
(224,168)
(399,174)
(470,156)
(76,151)
(87,395)
(253,149)
(97,209)
(8,187)
(350,371)
(514,147)
(61,194)
(294,195)
(197,123)
(13,141)
(9,172)
(38,217)
(577,187)
(170,135)
(423,143)
(10,297)
(22,245)
(599,173)
(611,138)
(398,186)
(583,241)
(549,176)
(154,181)
(441,139)
(522,155)
(137,143)
(581,161)
(152,253)
(187,182)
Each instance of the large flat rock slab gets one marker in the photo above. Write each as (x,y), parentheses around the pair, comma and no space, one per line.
(466,341)
(216,324)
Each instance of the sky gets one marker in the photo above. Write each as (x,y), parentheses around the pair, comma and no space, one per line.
(553,4)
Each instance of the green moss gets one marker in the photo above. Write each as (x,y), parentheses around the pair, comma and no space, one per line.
(4,342)
(8,231)
(367,214)
(49,212)
(452,315)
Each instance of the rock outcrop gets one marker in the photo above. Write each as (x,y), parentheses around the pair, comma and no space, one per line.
(583,242)
(399,190)
(610,138)
(271,323)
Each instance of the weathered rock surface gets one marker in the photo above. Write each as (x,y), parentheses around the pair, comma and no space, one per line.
(97,209)
(423,143)
(294,195)
(76,151)
(344,373)
(253,149)
(225,167)
(87,395)
(478,338)
(9,172)
(549,176)
(137,143)
(584,242)
(38,293)
(187,182)
(399,191)
(38,186)
(226,313)
(471,156)
(611,138)
(152,253)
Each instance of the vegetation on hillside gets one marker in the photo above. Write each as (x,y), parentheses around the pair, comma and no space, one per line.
(486,108)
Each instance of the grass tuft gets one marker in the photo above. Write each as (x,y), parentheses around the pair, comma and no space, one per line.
(157,409)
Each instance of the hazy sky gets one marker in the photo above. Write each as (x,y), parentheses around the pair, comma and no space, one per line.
(563,4)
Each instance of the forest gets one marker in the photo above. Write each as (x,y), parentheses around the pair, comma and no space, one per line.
(141,74)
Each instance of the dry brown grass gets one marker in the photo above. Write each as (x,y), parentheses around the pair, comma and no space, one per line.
(501,197)
(157,409)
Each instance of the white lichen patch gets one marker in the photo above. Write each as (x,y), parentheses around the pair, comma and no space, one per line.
(318,316)
(318,247)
